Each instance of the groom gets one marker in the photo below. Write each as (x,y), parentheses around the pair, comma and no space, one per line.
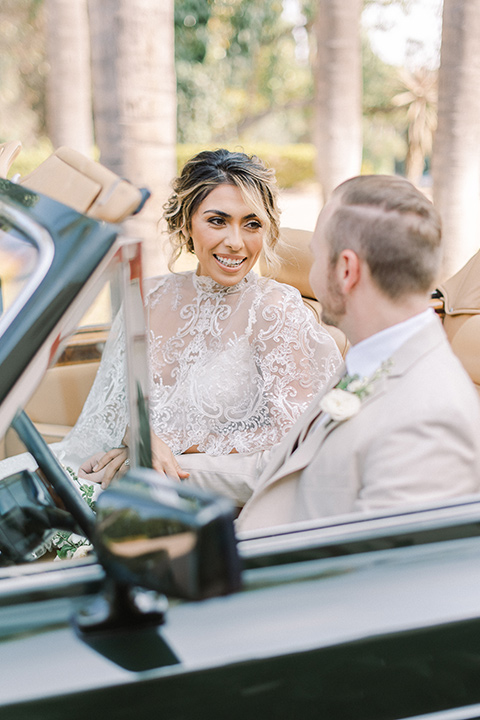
(403,425)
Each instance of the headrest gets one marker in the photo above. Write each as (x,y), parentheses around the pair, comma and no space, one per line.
(462,290)
(86,186)
(296,260)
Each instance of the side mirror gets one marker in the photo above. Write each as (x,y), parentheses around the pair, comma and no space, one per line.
(30,514)
(159,534)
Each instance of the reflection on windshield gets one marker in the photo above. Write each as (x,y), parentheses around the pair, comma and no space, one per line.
(18,258)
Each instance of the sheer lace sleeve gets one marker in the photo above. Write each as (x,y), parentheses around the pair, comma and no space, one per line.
(295,358)
(232,367)
(103,420)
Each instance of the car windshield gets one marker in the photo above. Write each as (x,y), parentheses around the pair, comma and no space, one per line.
(18,259)
(25,255)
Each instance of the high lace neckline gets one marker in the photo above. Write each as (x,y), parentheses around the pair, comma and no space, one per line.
(208,285)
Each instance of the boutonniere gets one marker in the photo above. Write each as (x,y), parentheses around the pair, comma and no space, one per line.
(345,400)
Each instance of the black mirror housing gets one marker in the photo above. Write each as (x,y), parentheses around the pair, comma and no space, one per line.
(162,535)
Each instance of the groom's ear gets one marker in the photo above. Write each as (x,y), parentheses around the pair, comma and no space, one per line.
(348,270)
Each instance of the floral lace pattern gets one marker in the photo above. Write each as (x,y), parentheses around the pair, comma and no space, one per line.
(232,368)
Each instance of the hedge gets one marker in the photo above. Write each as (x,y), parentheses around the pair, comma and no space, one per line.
(293,164)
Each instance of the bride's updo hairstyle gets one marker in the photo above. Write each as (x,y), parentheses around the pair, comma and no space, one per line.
(204,172)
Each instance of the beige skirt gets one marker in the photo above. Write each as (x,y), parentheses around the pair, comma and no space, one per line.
(233,476)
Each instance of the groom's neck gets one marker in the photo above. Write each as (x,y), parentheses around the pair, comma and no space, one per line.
(372,311)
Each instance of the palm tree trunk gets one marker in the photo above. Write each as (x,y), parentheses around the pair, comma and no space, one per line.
(338,91)
(456,151)
(69,97)
(135,102)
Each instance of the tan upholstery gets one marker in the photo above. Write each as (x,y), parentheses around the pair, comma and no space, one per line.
(57,403)
(461,309)
(85,185)
(296,261)
(8,153)
(60,397)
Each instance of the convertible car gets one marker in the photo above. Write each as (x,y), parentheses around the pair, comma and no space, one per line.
(172,614)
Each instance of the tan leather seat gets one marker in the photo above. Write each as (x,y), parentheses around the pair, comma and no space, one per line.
(86,186)
(460,308)
(296,261)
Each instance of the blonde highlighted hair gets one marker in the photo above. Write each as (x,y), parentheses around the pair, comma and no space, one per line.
(204,172)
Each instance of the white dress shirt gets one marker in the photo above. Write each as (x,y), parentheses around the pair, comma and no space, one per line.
(366,356)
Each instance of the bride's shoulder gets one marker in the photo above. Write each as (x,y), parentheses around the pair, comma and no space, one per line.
(273,291)
(162,283)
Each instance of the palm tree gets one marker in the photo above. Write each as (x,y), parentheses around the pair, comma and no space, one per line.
(419,97)
(69,97)
(338,91)
(456,152)
(135,101)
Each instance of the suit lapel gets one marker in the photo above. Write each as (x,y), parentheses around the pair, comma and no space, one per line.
(292,459)
(306,450)
(286,449)
(287,463)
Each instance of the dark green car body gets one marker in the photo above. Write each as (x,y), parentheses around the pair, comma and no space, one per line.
(364,617)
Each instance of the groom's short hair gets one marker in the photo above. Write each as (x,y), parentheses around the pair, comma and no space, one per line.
(393,227)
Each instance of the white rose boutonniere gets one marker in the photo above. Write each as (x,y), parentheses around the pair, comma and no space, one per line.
(345,400)
(340,404)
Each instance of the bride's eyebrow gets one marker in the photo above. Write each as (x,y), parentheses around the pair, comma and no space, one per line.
(217,212)
(227,215)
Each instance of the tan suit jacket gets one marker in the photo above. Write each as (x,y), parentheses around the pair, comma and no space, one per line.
(416,438)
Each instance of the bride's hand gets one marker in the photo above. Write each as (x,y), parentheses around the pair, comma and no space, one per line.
(164,460)
(102,467)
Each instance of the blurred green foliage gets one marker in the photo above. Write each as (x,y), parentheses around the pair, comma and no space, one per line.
(244,79)
(238,73)
(23,70)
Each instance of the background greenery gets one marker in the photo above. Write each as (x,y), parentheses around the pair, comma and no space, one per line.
(244,77)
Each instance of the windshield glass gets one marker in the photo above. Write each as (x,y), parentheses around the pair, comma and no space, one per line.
(18,260)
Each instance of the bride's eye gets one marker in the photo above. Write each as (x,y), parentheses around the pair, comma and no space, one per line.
(216,220)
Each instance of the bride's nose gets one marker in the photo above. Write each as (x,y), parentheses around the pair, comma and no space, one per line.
(233,239)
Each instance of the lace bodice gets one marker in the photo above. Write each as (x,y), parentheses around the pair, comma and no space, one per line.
(231,367)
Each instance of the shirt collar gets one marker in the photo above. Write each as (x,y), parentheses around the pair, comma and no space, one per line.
(366,356)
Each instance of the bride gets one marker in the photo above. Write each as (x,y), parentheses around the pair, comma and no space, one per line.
(234,358)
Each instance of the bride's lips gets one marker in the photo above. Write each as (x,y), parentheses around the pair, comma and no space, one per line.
(228,262)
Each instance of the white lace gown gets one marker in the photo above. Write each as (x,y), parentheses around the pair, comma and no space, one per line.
(231,368)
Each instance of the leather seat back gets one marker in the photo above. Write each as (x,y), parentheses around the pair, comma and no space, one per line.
(460,310)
